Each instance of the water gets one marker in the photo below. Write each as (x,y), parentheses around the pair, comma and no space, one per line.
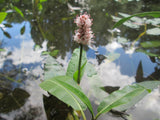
(51,28)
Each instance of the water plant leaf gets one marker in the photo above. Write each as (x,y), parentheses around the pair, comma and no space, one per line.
(90,70)
(153,31)
(6,34)
(148,53)
(153,14)
(148,86)
(2,50)
(126,95)
(52,68)
(149,44)
(42,1)
(68,91)
(73,64)
(18,11)
(2,16)
(75,75)
(54,53)
(45,53)
(22,30)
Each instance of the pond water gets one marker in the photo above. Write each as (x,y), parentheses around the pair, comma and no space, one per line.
(49,26)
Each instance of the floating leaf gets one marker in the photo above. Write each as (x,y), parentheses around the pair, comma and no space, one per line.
(18,11)
(153,14)
(37,47)
(154,21)
(122,40)
(148,53)
(52,68)
(68,91)
(54,53)
(22,30)
(153,31)
(6,34)
(2,16)
(2,50)
(73,64)
(45,53)
(112,57)
(126,96)
(149,44)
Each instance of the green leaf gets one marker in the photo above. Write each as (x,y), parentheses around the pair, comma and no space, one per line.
(75,76)
(148,53)
(90,70)
(126,95)
(153,31)
(18,11)
(54,53)
(68,91)
(148,85)
(52,68)
(6,34)
(2,16)
(153,14)
(149,44)
(40,7)
(73,64)
(2,50)
(23,30)
(42,1)
(45,53)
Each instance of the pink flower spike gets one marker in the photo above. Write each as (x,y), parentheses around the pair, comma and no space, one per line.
(83,35)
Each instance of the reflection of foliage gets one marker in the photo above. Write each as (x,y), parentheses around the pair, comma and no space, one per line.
(12,100)
(56,109)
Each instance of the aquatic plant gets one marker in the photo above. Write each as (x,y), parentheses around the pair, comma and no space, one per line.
(65,86)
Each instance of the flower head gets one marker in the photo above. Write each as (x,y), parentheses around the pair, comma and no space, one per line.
(83,34)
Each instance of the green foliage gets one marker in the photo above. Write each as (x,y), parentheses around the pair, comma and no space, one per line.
(2,16)
(68,91)
(54,53)
(72,69)
(52,68)
(153,14)
(149,44)
(148,53)
(2,50)
(18,11)
(127,95)
(153,31)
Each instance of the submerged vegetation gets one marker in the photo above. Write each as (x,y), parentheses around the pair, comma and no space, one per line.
(66,97)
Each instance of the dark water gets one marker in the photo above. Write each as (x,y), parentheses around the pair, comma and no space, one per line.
(52,28)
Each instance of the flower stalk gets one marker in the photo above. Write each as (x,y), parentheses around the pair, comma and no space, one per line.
(79,66)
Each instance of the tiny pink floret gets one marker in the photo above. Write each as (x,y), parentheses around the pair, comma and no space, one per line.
(84,34)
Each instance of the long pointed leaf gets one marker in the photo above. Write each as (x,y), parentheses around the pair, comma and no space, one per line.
(73,64)
(68,91)
(2,16)
(125,96)
(153,14)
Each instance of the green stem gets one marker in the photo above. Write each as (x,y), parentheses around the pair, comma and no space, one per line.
(79,66)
